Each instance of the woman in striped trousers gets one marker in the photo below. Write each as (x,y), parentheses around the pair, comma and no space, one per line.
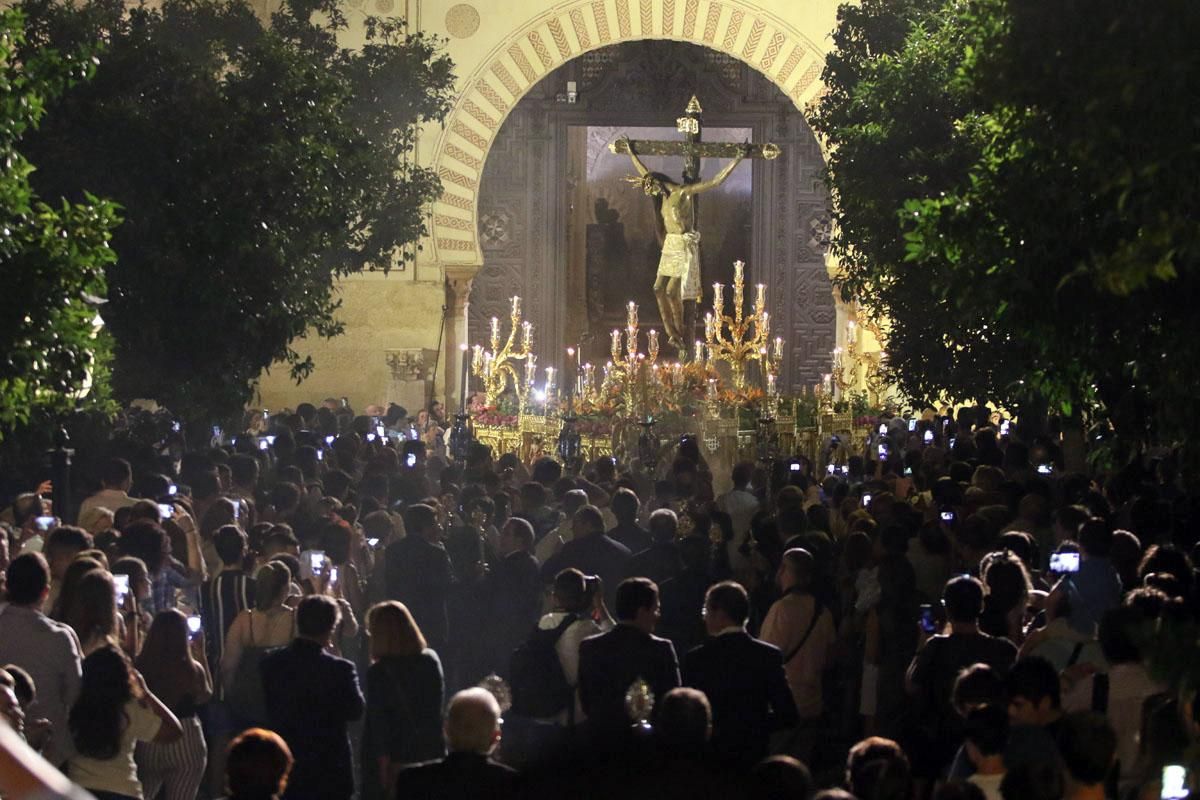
(172,662)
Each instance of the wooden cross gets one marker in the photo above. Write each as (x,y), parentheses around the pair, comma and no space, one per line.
(692,149)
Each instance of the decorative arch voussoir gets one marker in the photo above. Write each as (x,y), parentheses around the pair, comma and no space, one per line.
(531,51)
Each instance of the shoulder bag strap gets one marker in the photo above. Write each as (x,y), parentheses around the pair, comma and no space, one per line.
(818,609)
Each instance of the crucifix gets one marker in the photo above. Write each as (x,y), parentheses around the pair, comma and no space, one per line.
(678,277)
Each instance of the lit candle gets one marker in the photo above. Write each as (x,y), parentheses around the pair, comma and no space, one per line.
(718,299)
(652,344)
(778,347)
(633,315)
(738,283)
(549,378)
(477,358)
(760,296)
(616,344)
(771,385)
(710,327)
(516,312)
(495,333)
(765,324)
(827,382)
(530,369)
(527,335)
(699,351)
(676,371)
(462,389)
(571,374)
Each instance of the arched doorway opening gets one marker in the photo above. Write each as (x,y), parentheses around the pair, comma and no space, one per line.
(557,226)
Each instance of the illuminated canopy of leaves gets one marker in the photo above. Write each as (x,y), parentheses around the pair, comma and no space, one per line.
(52,256)
(255,165)
(1016,187)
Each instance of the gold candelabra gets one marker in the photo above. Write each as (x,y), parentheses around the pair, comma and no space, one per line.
(497,365)
(877,377)
(629,366)
(739,338)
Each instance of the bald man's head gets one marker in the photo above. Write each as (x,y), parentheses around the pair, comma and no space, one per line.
(473,722)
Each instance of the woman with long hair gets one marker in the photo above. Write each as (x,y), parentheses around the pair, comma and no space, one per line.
(174,670)
(115,710)
(271,623)
(93,611)
(70,582)
(404,699)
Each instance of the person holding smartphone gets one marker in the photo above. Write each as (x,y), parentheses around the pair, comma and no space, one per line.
(173,665)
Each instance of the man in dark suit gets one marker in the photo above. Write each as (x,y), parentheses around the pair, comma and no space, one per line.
(512,594)
(624,506)
(310,697)
(472,733)
(591,552)
(609,663)
(660,561)
(742,677)
(417,572)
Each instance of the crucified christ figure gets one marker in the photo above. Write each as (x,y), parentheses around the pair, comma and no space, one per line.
(678,276)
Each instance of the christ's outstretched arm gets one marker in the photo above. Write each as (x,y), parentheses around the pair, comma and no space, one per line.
(637,162)
(704,186)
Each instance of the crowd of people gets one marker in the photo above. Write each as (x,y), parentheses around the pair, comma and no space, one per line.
(327,607)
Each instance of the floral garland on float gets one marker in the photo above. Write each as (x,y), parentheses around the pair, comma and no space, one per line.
(727,392)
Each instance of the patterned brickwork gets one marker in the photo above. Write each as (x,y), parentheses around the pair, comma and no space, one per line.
(806,80)
(691,12)
(519,58)
(560,37)
(458,179)
(600,15)
(790,65)
(505,77)
(710,24)
(772,51)
(539,47)
(456,201)
(492,96)
(457,223)
(471,136)
(461,245)
(756,32)
(480,115)
(456,152)
(581,31)
(733,29)
(623,18)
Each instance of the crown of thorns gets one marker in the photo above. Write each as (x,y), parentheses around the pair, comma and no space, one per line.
(647,182)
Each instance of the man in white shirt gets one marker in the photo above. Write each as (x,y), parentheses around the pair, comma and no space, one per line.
(49,651)
(803,630)
(741,505)
(115,479)
(572,597)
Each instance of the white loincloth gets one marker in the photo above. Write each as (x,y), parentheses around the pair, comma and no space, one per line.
(681,259)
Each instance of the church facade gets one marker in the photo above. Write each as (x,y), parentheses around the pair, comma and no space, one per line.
(404,330)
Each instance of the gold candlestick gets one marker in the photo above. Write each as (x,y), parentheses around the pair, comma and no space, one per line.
(739,338)
(497,365)
(627,362)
